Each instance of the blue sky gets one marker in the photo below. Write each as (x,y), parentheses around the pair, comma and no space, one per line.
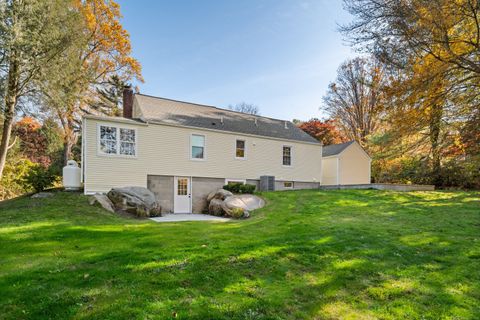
(277,54)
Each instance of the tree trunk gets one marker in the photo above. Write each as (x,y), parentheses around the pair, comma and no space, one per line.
(69,139)
(67,151)
(435,127)
(10,104)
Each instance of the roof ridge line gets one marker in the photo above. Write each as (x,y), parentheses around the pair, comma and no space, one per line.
(214,107)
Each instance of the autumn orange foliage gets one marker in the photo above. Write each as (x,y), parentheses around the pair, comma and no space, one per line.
(324,131)
(109,49)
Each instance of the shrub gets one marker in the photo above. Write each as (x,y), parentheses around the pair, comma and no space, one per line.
(12,184)
(237,213)
(240,188)
(233,187)
(39,178)
(247,188)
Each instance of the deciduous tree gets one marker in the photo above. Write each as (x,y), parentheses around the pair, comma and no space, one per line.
(32,36)
(244,107)
(324,131)
(356,99)
(102,50)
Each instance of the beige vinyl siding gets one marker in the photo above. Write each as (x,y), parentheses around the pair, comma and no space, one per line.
(354,166)
(165,150)
(329,171)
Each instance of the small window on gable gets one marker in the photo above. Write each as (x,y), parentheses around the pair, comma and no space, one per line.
(288,185)
(198,147)
(240,149)
(287,156)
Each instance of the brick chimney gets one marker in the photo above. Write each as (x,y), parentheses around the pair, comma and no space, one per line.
(127,102)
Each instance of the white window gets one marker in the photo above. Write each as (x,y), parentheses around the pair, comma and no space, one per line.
(288,185)
(242,181)
(198,147)
(240,149)
(287,155)
(127,142)
(108,140)
(117,141)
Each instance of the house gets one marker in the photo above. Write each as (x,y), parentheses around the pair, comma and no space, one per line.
(345,164)
(182,151)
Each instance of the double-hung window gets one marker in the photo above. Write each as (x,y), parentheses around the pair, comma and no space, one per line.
(127,142)
(197,143)
(117,141)
(240,149)
(287,156)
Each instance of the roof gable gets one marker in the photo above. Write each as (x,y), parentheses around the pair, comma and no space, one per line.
(166,111)
(335,149)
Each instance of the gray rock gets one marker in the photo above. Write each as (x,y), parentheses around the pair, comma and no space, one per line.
(219,194)
(247,202)
(103,201)
(42,195)
(215,207)
(137,200)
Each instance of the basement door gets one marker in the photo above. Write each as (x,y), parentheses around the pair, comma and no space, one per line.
(182,195)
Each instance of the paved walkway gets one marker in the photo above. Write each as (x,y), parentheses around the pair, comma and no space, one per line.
(175,217)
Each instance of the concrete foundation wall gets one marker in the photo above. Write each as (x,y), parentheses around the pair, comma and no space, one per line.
(162,187)
(201,187)
(297,185)
(383,186)
(306,185)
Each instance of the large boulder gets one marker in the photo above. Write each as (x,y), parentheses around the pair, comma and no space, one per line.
(137,200)
(215,207)
(221,194)
(245,202)
(103,201)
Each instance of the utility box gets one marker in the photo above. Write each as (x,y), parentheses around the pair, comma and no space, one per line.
(267,183)
(71,176)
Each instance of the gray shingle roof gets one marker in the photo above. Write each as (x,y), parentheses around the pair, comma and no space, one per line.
(335,149)
(175,112)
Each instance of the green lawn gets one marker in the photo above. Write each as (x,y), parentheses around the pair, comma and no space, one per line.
(352,254)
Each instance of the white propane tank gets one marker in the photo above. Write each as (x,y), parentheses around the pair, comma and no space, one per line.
(71,176)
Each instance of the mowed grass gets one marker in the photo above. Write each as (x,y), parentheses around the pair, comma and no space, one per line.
(351,254)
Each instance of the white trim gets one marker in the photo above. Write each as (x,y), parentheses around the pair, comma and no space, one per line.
(370,171)
(338,171)
(321,166)
(284,187)
(118,142)
(84,156)
(82,151)
(227,180)
(204,147)
(291,156)
(116,120)
(244,149)
(189,191)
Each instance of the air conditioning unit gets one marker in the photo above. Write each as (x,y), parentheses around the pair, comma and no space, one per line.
(267,183)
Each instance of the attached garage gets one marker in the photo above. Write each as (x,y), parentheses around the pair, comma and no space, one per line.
(344,164)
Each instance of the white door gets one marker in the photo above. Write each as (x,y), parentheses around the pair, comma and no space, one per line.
(182,195)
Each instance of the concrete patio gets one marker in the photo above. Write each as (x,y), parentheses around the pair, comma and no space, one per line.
(178,217)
